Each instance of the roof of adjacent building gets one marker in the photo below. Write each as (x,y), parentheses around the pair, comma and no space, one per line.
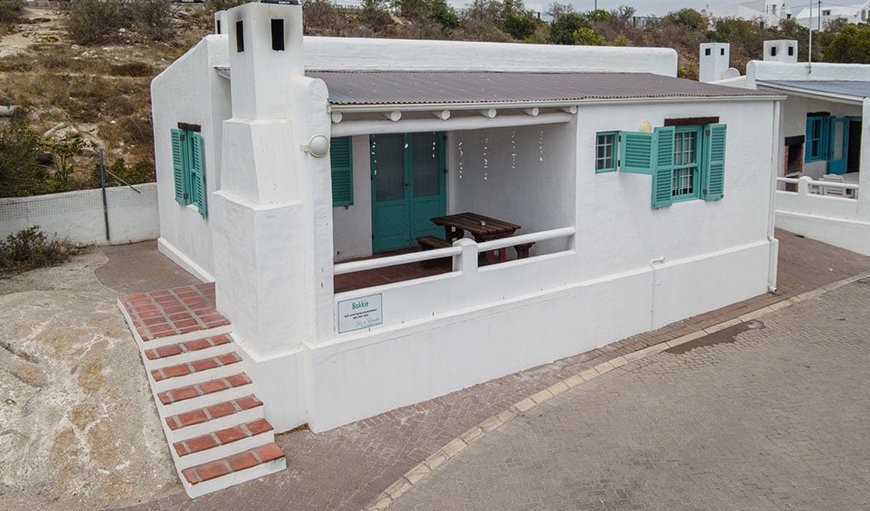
(501,88)
(855,90)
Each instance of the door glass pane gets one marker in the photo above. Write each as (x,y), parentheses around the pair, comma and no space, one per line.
(426,171)
(838,139)
(388,166)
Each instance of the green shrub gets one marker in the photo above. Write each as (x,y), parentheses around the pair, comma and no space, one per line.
(20,148)
(95,21)
(152,19)
(222,5)
(11,10)
(140,172)
(852,45)
(30,248)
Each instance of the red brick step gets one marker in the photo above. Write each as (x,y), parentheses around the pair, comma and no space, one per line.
(186,347)
(234,463)
(222,437)
(212,412)
(195,366)
(202,389)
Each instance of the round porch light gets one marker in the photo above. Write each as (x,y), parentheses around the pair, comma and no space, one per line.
(318,146)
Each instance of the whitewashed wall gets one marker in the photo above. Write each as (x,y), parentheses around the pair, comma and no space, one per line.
(78,216)
(524,175)
(190,91)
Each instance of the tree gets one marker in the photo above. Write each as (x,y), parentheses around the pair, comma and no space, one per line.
(374,15)
(563,28)
(688,18)
(557,10)
(852,45)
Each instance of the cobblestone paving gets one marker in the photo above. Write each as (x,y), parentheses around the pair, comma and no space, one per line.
(348,467)
(774,418)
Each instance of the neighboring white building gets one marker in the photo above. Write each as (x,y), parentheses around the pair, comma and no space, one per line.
(641,210)
(770,12)
(816,18)
(824,142)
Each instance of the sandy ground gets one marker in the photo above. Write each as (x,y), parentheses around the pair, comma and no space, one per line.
(78,427)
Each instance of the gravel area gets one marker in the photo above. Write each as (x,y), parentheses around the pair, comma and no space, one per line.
(78,428)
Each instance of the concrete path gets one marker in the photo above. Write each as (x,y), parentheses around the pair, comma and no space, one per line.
(774,418)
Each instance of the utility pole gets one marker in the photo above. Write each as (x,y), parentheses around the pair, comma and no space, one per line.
(820,15)
(810,53)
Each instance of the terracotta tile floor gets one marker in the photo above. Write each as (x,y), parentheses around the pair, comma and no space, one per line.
(173,311)
(390,274)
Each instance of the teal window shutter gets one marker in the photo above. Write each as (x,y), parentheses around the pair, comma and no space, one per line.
(636,152)
(180,167)
(197,174)
(663,175)
(714,162)
(341,160)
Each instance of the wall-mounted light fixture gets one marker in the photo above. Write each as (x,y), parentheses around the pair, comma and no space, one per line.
(317,146)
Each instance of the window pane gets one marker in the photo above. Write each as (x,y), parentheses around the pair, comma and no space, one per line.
(426,169)
(388,165)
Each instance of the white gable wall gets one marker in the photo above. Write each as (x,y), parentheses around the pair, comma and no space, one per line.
(189,91)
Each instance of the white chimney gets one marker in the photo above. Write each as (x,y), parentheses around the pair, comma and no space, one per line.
(781,50)
(714,61)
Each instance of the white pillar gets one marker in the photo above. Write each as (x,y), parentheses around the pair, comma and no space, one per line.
(272,217)
(864,164)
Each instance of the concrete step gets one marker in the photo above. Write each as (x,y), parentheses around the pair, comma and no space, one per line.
(222,415)
(222,443)
(172,354)
(190,397)
(225,472)
(194,372)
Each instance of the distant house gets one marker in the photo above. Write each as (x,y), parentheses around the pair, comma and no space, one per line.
(769,12)
(569,197)
(823,141)
(816,17)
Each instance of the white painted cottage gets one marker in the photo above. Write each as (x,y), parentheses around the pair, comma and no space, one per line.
(285,163)
(824,141)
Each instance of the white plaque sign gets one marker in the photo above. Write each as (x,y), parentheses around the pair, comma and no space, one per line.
(359,313)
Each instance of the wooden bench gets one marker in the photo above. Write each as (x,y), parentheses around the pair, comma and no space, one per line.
(431,242)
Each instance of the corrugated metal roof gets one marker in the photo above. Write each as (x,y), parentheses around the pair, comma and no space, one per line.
(836,88)
(449,87)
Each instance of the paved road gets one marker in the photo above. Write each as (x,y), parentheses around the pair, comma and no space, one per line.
(775,418)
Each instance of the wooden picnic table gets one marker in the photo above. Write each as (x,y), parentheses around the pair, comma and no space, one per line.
(483,228)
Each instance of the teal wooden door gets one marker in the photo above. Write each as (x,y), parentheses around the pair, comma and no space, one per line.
(839,145)
(408,188)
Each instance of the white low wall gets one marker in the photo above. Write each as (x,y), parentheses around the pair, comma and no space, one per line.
(78,216)
(839,221)
(466,332)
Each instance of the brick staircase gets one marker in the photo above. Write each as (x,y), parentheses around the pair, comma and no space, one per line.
(212,419)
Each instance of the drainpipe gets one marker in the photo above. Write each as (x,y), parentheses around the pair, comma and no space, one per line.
(655,284)
(776,164)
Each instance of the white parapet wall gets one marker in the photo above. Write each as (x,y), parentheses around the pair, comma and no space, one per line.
(343,53)
(839,221)
(79,216)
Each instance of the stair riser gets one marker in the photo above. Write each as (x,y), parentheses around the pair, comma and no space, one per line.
(203,401)
(190,356)
(222,451)
(197,490)
(213,425)
(197,377)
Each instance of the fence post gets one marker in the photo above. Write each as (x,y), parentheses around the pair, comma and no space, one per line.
(467,261)
(103,186)
(804,185)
